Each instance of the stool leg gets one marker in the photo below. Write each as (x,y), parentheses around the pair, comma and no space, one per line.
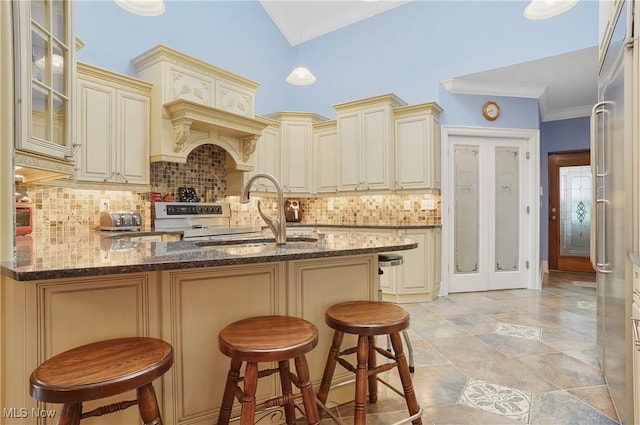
(405,378)
(229,392)
(285,384)
(407,342)
(371,364)
(248,411)
(148,405)
(362,355)
(330,367)
(306,389)
(70,414)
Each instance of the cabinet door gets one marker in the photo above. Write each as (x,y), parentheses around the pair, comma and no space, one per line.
(377,150)
(45,77)
(298,156)
(326,154)
(132,139)
(96,131)
(268,154)
(348,142)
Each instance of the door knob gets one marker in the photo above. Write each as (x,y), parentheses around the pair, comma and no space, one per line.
(553,210)
(553,217)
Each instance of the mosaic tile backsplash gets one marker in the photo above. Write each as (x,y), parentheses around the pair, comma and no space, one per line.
(64,211)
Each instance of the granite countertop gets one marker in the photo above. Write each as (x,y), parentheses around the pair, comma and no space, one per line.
(93,253)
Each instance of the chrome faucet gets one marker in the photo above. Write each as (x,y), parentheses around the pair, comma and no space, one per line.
(277,225)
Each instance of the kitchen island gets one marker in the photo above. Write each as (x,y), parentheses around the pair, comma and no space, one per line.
(96,288)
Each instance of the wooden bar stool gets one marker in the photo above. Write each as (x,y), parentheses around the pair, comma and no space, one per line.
(368,319)
(103,369)
(268,339)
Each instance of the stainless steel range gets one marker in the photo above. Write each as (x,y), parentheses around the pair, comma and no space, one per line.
(199,221)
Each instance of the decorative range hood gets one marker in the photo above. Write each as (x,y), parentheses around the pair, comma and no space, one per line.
(195,103)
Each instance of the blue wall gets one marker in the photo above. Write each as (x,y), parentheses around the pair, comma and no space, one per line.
(408,50)
(557,136)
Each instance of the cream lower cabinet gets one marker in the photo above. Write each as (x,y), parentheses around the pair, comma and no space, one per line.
(635,314)
(48,317)
(113,127)
(198,303)
(418,278)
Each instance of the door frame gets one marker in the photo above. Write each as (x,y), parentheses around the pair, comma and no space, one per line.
(531,137)
(573,263)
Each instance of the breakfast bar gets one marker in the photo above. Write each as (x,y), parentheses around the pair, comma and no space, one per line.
(104,286)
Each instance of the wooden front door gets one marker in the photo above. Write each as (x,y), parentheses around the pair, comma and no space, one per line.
(570,193)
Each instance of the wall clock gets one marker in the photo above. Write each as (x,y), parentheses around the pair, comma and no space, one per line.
(491,110)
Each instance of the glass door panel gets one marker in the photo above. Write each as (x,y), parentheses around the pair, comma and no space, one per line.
(467,206)
(507,207)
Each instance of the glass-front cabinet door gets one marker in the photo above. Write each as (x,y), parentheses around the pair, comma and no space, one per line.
(45,53)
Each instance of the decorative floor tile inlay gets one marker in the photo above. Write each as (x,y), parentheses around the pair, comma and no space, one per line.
(497,399)
(587,305)
(520,331)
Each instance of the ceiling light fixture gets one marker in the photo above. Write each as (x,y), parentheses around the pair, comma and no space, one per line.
(301,76)
(543,9)
(142,7)
(57,63)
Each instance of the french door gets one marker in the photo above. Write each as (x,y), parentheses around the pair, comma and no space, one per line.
(490,220)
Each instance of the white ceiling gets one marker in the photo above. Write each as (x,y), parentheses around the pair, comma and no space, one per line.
(566,85)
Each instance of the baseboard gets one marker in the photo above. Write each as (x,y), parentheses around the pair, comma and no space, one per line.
(544,272)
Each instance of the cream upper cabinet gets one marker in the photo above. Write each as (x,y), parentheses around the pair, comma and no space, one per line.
(417,143)
(365,143)
(45,75)
(113,127)
(325,147)
(268,157)
(296,132)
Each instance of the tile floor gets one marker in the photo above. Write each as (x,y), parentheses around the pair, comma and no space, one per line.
(504,357)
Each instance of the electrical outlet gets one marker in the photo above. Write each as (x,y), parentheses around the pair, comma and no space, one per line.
(244,207)
(407,205)
(274,206)
(104,205)
(428,204)
(330,205)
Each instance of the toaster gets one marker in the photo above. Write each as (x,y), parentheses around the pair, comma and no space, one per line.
(120,220)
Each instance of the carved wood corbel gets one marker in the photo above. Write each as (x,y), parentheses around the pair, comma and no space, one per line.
(181,131)
(248,146)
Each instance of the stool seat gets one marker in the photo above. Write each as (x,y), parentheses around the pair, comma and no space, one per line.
(103,369)
(367,318)
(268,339)
(388,260)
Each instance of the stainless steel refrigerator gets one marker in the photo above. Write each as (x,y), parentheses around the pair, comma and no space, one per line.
(612,231)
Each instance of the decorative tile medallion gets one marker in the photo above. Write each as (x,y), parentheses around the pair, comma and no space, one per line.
(527,332)
(497,399)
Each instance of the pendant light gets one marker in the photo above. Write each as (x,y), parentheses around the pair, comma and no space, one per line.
(543,9)
(142,7)
(301,76)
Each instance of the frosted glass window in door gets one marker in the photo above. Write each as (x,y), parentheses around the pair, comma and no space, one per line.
(507,208)
(467,204)
(575,210)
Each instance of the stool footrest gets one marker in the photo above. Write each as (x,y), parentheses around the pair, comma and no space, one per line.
(111,408)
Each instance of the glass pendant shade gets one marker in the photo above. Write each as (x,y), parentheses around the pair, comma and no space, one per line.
(543,9)
(301,76)
(142,7)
